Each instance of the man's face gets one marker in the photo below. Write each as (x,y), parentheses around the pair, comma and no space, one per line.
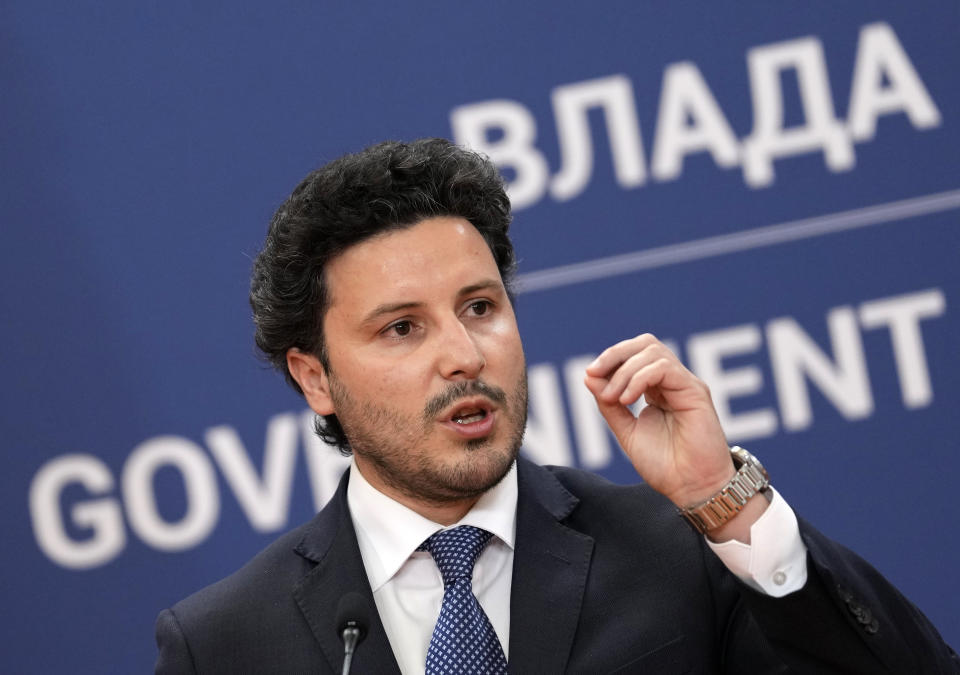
(426,370)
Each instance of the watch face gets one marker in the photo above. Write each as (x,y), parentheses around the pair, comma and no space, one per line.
(740,456)
(744,457)
(750,459)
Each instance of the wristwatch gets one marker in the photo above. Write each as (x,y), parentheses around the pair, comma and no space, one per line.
(750,479)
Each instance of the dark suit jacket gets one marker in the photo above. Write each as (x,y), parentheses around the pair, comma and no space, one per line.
(606,579)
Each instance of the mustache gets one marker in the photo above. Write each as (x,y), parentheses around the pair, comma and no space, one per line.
(459,390)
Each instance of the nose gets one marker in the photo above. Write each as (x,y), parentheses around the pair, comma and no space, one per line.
(460,357)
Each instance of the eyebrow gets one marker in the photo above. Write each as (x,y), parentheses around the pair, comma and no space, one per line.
(391,307)
(484,285)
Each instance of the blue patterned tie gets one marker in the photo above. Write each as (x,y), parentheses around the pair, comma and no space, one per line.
(463,640)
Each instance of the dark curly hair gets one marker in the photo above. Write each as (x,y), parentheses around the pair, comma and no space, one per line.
(388,186)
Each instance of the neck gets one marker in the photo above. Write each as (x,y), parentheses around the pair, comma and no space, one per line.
(446,512)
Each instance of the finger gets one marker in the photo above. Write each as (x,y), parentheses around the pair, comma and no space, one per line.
(612,357)
(619,379)
(652,379)
(618,417)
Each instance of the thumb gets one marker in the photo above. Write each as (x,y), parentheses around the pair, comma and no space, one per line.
(618,416)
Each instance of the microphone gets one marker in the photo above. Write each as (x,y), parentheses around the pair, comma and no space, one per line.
(353,612)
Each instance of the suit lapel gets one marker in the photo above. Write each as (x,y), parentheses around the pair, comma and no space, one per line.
(332,543)
(550,567)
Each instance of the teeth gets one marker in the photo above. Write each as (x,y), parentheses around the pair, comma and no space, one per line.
(470,419)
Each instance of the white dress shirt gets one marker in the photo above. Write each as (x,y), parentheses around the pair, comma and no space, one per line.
(408,589)
(406,583)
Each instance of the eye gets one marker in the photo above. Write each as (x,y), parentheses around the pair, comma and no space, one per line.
(480,307)
(400,328)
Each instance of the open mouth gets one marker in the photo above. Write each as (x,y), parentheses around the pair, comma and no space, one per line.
(469,415)
(470,418)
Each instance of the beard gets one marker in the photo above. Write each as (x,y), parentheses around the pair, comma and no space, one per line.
(410,456)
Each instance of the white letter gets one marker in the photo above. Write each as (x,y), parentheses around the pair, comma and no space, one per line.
(325,464)
(845,383)
(546,440)
(902,314)
(266,502)
(706,351)
(821,129)
(470,126)
(570,104)
(880,53)
(589,427)
(686,95)
(100,515)
(199,481)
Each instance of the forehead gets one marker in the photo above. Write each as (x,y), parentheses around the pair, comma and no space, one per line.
(435,255)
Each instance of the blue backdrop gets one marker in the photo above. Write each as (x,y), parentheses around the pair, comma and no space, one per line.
(772,187)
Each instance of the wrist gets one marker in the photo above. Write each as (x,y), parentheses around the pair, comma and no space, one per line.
(740,525)
(750,479)
(707,489)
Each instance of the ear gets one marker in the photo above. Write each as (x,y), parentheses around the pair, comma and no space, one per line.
(310,374)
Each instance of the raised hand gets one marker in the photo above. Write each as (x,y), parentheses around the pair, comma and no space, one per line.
(676,443)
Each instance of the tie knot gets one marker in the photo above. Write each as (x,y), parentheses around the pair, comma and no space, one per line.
(456,550)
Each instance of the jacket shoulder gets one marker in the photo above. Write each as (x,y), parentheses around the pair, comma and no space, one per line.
(250,616)
(256,582)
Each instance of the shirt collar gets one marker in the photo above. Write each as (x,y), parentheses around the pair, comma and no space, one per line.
(388,532)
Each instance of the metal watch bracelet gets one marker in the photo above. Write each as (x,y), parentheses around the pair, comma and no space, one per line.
(750,479)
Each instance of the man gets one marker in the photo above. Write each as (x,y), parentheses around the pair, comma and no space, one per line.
(382,294)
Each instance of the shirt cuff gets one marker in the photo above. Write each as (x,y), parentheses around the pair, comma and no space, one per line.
(775,560)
